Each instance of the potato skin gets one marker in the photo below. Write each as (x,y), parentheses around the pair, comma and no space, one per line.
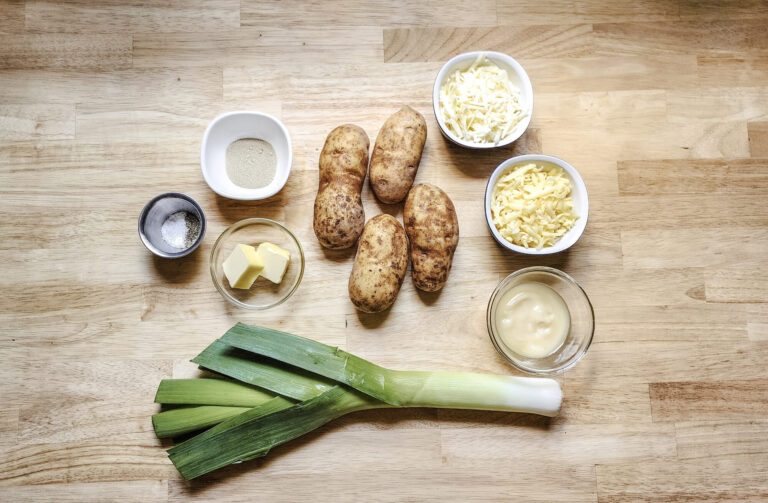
(396,155)
(433,234)
(380,265)
(339,216)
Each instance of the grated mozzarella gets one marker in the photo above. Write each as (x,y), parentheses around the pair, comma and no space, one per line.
(531,205)
(480,104)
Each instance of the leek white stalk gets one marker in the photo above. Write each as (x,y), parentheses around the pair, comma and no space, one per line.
(460,390)
(467,390)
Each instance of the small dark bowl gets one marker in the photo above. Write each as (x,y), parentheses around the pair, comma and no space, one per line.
(154,215)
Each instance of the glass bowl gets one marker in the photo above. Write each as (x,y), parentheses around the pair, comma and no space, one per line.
(582,323)
(263,294)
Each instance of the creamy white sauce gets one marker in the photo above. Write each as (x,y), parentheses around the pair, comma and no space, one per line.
(532,320)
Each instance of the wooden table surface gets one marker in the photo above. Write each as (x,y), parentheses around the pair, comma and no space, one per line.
(662,106)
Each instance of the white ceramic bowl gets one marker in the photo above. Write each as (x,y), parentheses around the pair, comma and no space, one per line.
(578,193)
(232,126)
(516,74)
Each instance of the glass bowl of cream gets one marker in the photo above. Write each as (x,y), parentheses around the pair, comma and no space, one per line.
(540,320)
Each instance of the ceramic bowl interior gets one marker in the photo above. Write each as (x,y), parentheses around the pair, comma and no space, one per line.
(227,128)
(263,294)
(517,75)
(578,193)
(582,321)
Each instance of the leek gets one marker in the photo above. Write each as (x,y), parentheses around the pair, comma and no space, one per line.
(328,383)
(253,433)
(174,422)
(458,390)
(277,378)
(228,361)
(244,434)
(209,392)
(219,399)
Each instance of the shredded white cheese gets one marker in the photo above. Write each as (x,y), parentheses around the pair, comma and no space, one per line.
(531,205)
(480,104)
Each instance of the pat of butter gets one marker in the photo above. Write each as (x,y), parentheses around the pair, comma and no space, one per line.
(243,266)
(275,261)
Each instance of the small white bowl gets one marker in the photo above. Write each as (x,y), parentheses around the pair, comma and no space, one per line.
(516,74)
(578,193)
(232,126)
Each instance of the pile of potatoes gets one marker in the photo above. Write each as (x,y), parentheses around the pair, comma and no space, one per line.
(431,231)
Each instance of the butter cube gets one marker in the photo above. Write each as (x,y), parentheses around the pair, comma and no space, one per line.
(275,261)
(243,266)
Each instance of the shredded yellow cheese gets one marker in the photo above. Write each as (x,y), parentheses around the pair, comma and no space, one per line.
(480,104)
(531,205)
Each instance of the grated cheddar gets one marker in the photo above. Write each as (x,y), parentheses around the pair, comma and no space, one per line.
(531,205)
(480,104)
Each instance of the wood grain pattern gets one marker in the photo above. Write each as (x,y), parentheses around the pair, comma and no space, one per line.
(725,71)
(722,9)
(696,401)
(758,138)
(257,47)
(149,491)
(662,106)
(701,439)
(719,479)
(133,88)
(728,37)
(738,285)
(584,11)
(66,51)
(12,16)
(43,121)
(440,44)
(352,13)
(9,425)
(733,177)
(478,481)
(111,16)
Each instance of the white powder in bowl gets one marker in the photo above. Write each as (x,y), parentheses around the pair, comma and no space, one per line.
(251,163)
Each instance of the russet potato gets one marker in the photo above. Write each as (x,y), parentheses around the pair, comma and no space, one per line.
(396,155)
(339,216)
(380,265)
(433,234)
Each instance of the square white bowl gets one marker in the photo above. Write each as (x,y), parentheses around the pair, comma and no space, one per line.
(516,74)
(578,194)
(232,126)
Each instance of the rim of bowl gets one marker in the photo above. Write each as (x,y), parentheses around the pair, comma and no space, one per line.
(143,218)
(505,58)
(578,185)
(555,272)
(228,231)
(204,148)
